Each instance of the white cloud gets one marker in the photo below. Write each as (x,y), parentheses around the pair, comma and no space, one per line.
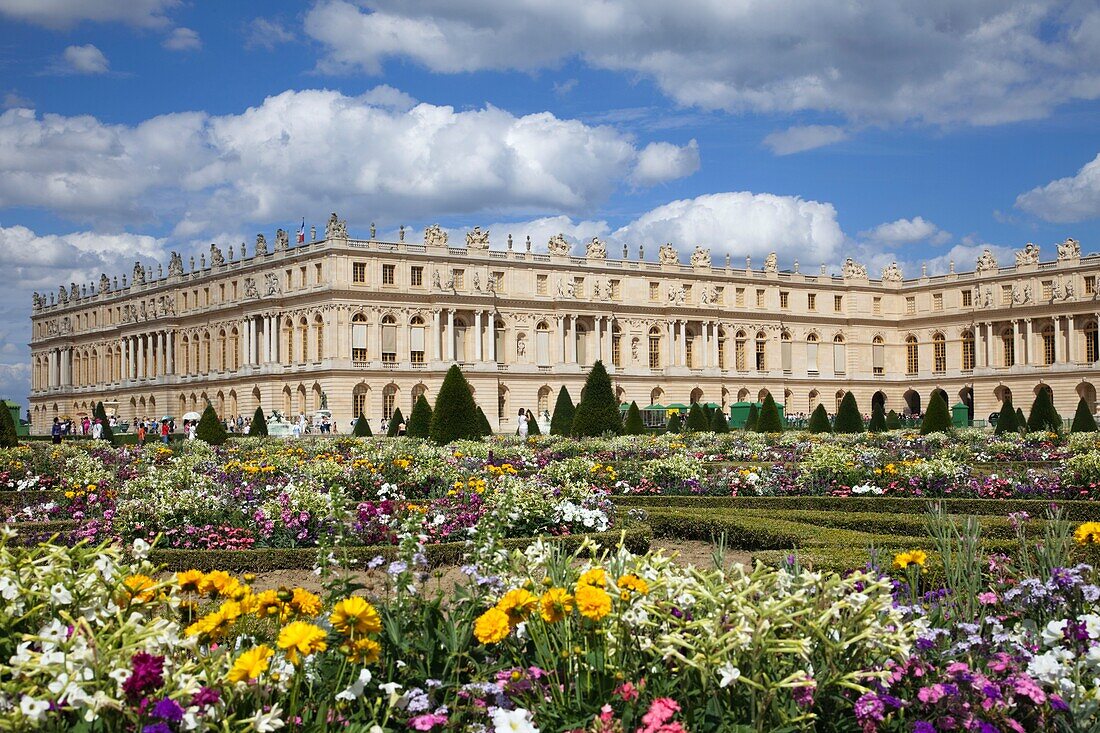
(907,231)
(1075,198)
(15,99)
(982,62)
(267,33)
(67,13)
(86,59)
(804,137)
(182,39)
(660,162)
(563,88)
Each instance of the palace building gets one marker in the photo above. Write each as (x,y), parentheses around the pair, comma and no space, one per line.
(368,325)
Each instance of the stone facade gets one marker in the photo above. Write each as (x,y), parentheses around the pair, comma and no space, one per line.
(369,325)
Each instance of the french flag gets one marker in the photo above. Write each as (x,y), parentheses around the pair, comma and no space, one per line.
(302,232)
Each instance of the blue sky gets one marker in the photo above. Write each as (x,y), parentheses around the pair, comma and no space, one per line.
(818,130)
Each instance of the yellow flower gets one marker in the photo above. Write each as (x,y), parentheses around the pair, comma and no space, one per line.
(362,651)
(902,560)
(305,603)
(555,605)
(354,615)
(219,582)
(212,626)
(251,664)
(595,576)
(632,582)
(190,580)
(492,627)
(593,603)
(518,604)
(266,603)
(1088,534)
(138,588)
(302,638)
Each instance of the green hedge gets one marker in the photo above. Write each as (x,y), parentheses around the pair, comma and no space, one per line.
(19,499)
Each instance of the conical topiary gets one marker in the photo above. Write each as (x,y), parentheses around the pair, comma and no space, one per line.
(454,416)
(634,424)
(483,427)
(395,422)
(1083,421)
(719,423)
(1021,421)
(848,419)
(420,422)
(598,412)
(210,428)
(533,427)
(1043,415)
(101,415)
(258,428)
(769,420)
(936,419)
(877,423)
(673,425)
(562,421)
(893,421)
(362,428)
(819,421)
(1006,419)
(8,437)
(752,418)
(697,419)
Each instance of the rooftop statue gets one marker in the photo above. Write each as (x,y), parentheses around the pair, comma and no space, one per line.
(700,257)
(435,236)
(477,239)
(558,246)
(667,255)
(596,250)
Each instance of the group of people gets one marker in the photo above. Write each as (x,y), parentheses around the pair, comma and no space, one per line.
(526,419)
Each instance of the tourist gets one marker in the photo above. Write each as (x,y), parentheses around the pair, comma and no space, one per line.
(192,430)
(56,431)
(97,430)
(296,429)
(522,429)
(164,432)
(383,428)
(401,428)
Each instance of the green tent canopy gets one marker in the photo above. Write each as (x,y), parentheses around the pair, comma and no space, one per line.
(655,407)
(678,406)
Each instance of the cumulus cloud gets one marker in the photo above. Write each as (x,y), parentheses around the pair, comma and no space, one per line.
(60,14)
(891,61)
(267,33)
(804,137)
(1075,198)
(86,59)
(907,231)
(15,99)
(660,162)
(182,39)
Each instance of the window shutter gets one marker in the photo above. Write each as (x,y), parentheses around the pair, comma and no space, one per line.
(417,338)
(389,339)
(359,336)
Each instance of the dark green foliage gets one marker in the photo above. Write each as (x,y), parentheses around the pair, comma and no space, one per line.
(1043,415)
(848,419)
(752,418)
(362,428)
(719,423)
(893,422)
(819,421)
(210,428)
(562,421)
(533,427)
(395,422)
(634,424)
(937,419)
(8,437)
(258,428)
(420,422)
(697,419)
(454,416)
(877,423)
(1083,421)
(1021,422)
(769,420)
(598,412)
(483,426)
(1006,420)
(673,425)
(99,412)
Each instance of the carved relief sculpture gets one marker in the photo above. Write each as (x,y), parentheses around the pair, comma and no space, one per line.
(700,257)
(250,290)
(216,257)
(434,236)
(272,280)
(596,250)
(891,273)
(771,263)
(1029,255)
(282,240)
(1069,250)
(336,228)
(853,270)
(986,262)
(477,239)
(558,246)
(667,255)
(261,245)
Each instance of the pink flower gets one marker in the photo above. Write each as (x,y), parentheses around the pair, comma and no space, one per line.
(987,599)
(627,691)
(427,721)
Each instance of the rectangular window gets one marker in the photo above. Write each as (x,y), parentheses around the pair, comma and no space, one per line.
(389,343)
(1006,295)
(761,358)
(540,285)
(878,357)
(289,279)
(759,298)
(460,279)
(840,357)
(498,281)
(359,272)
(416,344)
(838,303)
(317,274)
(967,298)
(578,287)
(811,357)
(785,352)
(937,301)
(616,349)
(416,276)
(740,297)
(358,342)
(687,293)
(876,305)
(1048,289)
(389,274)
(811,301)
(221,293)
(720,294)
(206,296)
(1090,284)
(616,290)
(302,275)
(654,291)
(784,299)
(912,361)
(939,356)
(911,305)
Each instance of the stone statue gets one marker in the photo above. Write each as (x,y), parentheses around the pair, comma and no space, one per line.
(435,236)
(373,233)
(987,300)
(704,296)
(1069,250)
(167,305)
(336,228)
(36,300)
(667,255)
(282,240)
(144,313)
(676,295)
(477,282)
(558,246)
(250,290)
(595,250)
(634,349)
(104,283)
(853,270)
(700,257)
(1069,290)
(477,239)
(891,273)
(597,290)
(435,280)
(272,280)
(261,245)
(1056,292)
(986,262)
(771,263)
(139,274)
(521,346)
(1019,295)
(1029,255)
(571,289)
(175,265)
(216,257)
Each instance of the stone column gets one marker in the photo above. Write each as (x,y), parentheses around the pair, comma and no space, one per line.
(599,342)
(671,329)
(437,336)
(1017,357)
(450,334)
(1057,339)
(571,340)
(243,345)
(1026,339)
(683,343)
(66,368)
(561,339)
(1070,336)
(492,336)
(128,348)
(477,337)
(704,329)
(265,339)
(715,343)
(170,365)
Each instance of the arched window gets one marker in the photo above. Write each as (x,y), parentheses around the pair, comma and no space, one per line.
(460,339)
(616,345)
(319,336)
(359,400)
(359,338)
(1008,347)
(689,348)
(840,354)
(761,352)
(968,350)
(416,340)
(878,355)
(839,398)
(223,356)
(542,343)
(721,348)
(502,402)
(389,343)
(939,353)
(912,355)
(389,400)
(811,401)
(235,350)
(581,335)
(1048,345)
(785,350)
(287,355)
(205,352)
(811,354)
(739,350)
(654,348)
(544,399)
(1092,344)
(303,336)
(498,341)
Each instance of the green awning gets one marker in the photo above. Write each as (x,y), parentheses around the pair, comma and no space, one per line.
(655,407)
(678,406)
(712,405)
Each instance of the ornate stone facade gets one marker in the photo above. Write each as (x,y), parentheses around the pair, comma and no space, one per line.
(373,324)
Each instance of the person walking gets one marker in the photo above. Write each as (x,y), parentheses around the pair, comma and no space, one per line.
(56,431)
(141,432)
(164,432)
(522,430)
(97,430)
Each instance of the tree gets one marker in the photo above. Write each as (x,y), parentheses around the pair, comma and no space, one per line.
(1021,423)
(936,419)
(697,419)
(8,437)
(769,420)
(893,422)
(719,423)
(362,427)
(1006,420)
(819,421)
(454,416)
(673,425)
(258,428)
(848,419)
(210,428)
(395,422)
(100,414)
(562,422)
(484,429)
(1043,415)
(752,418)
(877,423)
(420,422)
(598,411)
(1083,421)
(634,424)
(533,427)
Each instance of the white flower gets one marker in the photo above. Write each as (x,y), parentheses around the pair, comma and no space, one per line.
(33,710)
(512,721)
(60,595)
(729,674)
(8,589)
(52,634)
(355,690)
(1045,667)
(141,551)
(267,722)
(390,688)
(1054,632)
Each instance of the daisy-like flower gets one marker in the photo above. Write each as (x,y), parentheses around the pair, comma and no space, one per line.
(633,584)
(492,627)
(305,603)
(593,603)
(555,605)
(190,581)
(138,589)
(518,604)
(251,664)
(301,638)
(354,615)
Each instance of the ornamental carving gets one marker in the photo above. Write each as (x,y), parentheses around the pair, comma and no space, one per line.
(166,305)
(62,294)
(700,257)
(667,255)
(139,274)
(771,263)
(891,273)
(435,236)
(250,290)
(261,244)
(595,250)
(477,239)
(558,246)
(282,240)
(336,228)
(986,262)
(272,280)
(676,295)
(853,270)
(37,300)
(216,257)
(175,265)
(1029,255)
(104,283)
(1069,250)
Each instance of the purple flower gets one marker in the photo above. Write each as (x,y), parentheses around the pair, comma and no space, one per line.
(168,709)
(923,726)
(156,728)
(205,697)
(148,675)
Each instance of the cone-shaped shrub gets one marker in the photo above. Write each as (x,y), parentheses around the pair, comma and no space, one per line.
(562,421)
(673,425)
(258,428)
(1083,421)
(752,418)
(937,419)
(893,422)
(362,428)
(1006,420)
(1021,421)
(819,421)
(634,424)
(697,419)
(533,427)
(210,428)
(719,423)
(848,419)
(8,437)
(877,423)
(420,422)
(395,422)
(598,412)
(483,426)
(1043,415)
(101,413)
(454,416)
(769,420)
